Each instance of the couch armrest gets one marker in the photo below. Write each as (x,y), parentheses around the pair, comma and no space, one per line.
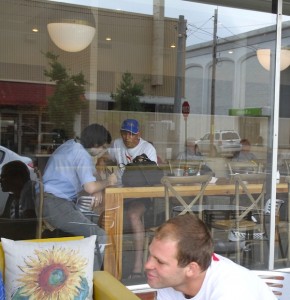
(107,287)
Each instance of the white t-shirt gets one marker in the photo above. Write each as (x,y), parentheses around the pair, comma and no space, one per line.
(123,155)
(225,280)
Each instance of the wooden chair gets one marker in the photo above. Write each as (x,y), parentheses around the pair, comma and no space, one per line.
(266,213)
(42,225)
(170,183)
(287,180)
(278,282)
(287,164)
(242,226)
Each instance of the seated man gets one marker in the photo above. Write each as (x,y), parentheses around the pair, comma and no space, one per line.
(182,265)
(123,152)
(245,154)
(70,170)
(15,178)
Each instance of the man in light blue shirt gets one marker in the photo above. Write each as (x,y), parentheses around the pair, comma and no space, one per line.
(70,170)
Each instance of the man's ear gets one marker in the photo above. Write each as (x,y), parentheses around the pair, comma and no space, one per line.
(193,269)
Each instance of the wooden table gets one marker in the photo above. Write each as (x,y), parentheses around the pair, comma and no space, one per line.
(114,197)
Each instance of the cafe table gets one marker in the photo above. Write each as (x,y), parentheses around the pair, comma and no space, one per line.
(115,196)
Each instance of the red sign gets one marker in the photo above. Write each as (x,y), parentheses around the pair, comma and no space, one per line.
(185,109)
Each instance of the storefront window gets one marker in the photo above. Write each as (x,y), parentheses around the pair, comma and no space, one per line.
(194,75)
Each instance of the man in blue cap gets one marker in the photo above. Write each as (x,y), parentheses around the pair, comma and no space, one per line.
(123,151)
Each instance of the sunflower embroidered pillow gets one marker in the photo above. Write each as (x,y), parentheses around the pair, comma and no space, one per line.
(49,270)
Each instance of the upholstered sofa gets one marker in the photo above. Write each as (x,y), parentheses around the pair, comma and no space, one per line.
(105,286)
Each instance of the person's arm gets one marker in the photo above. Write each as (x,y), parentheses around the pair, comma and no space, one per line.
(97,186)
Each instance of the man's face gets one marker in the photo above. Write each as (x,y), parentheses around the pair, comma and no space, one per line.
(98,151)
(191,147)
(130,140)
(162,267)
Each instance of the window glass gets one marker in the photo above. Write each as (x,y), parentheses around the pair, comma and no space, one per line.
(186,71)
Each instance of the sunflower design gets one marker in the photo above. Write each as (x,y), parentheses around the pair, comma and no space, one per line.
(56,273)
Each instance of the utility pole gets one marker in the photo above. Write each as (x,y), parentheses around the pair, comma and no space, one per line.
(180,62)
(213,77)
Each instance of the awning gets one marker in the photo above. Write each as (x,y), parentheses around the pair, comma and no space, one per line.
(22,93)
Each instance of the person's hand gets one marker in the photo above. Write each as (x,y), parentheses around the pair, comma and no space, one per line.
(98,199)
(112,179)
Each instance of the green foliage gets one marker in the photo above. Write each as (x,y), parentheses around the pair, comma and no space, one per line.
(127,94)
(68,99)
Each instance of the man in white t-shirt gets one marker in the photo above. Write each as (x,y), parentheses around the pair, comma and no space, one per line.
(182,265)
(123,151)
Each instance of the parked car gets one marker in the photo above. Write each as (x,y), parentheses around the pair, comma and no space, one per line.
(6,155)
(225,143)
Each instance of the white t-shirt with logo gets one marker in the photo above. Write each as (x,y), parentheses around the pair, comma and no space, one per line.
(225,280)
(123,155)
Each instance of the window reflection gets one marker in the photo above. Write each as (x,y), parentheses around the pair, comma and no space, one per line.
(141,35)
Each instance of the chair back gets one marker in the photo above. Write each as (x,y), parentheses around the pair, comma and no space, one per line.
(40,209)
(242,167)
(171,182)
(287,164)
(278,281)
(267,209)
(256,201)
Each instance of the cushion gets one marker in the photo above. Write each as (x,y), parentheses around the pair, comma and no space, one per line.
(2,291)
(49,270)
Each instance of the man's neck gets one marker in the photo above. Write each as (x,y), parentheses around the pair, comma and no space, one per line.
(194,286)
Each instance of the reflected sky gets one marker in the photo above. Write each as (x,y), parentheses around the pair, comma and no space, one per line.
(200,17)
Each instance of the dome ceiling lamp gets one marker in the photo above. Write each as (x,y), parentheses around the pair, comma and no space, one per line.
(264,58)
(72,31)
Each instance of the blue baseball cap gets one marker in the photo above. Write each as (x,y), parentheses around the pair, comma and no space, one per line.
(130,125)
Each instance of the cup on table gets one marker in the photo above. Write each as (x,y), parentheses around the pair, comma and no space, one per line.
(118,171)
(178,172)
(85,203)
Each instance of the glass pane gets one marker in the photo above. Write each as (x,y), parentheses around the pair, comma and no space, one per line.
(146,61)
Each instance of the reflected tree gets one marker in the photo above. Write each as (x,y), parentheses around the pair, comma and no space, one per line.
(68,98)
(127,96)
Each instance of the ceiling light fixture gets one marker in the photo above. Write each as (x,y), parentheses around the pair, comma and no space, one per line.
(71,29)
(264,58)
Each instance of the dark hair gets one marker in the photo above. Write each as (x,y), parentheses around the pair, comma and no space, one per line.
(245,142)
(95,135)
(16,169)
(194,241)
